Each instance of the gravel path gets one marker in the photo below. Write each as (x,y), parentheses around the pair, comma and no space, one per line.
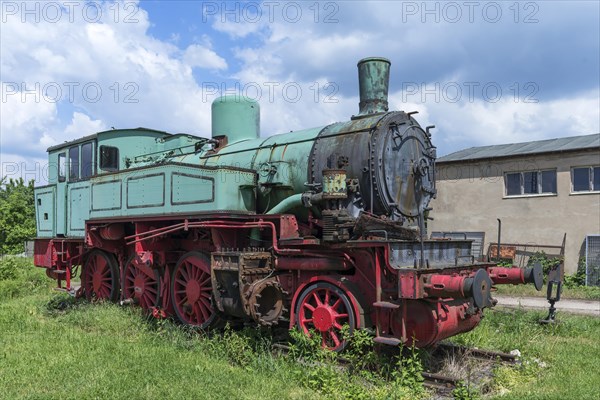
(574,306)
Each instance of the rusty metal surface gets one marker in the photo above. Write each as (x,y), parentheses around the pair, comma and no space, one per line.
(438,253)
(392,158)
(334,184)
(373,85)
(505,251)
(369,225)
(243,286)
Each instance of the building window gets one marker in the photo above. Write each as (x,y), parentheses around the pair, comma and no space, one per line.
(109,158)
(530,183)
(548,184)
(513,184)
(74,163)
(585,179)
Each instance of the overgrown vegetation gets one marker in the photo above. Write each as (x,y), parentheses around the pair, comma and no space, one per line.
(578,278)
(559,361)
(548,263)
(54,346)
(364,374)
(19,277)
(17,215)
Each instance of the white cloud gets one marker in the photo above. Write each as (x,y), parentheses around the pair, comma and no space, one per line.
(477,123)
(200,56)
(149,82)
(15,166)
(25,120)
(82,125)
(110,73)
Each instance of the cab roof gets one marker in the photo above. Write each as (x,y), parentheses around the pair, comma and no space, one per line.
(95,136)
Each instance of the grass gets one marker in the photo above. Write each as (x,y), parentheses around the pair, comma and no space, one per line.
(103,351)
(52,346)
(559,361)
(576,292)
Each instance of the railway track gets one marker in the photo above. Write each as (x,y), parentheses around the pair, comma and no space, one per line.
(442,384)
(475,353)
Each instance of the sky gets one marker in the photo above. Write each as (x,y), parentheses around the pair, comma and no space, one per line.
(482,72)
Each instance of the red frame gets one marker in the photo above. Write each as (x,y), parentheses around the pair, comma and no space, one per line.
(388,299)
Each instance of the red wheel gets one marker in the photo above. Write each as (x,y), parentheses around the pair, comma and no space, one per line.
(325,308)
(142,283)
(100,276)
(191,290)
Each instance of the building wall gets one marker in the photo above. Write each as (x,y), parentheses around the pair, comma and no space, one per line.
(471,196)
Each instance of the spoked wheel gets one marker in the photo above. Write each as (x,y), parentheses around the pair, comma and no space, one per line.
(191,290)
(325,308)
(142,284)
(100,276)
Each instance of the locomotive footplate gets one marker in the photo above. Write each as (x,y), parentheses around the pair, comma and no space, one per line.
(244,286)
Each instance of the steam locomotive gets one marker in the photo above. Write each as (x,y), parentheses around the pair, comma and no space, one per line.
(317,228)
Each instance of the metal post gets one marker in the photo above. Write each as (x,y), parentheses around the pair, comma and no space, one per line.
(499,233)
(422,235)
(552,297)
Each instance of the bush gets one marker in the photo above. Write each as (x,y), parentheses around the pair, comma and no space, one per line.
(17,215)
(548,263)
(578,278)
(18,276)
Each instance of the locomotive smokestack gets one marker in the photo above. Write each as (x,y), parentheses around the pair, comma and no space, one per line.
(373,83)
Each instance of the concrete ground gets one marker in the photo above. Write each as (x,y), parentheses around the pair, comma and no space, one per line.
(574,306)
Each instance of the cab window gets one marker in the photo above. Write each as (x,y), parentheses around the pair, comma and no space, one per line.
(109,158)
(62,167)
(87,160)
(74,163)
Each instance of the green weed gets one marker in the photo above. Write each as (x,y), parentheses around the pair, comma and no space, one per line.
(558,361)
(464,391)
(18,277)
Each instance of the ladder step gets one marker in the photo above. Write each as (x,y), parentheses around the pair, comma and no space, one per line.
(390,341)
(386,304)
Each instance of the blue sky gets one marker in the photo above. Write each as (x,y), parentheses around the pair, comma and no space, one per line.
(482,72)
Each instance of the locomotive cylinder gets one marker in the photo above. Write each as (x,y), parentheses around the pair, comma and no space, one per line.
(112,232)
(430,322)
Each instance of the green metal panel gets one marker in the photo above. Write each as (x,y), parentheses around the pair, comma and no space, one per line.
(61,208)
(79,208)
(53,168)
(45,198)
(106,194)
(145,190)
(173,188)
(281,162)
(236,116)
(190,189)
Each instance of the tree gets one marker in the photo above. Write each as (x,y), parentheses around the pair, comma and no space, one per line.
(17,215)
